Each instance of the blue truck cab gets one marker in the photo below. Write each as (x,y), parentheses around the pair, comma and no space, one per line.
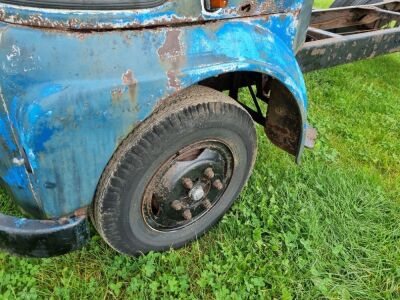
(105,108)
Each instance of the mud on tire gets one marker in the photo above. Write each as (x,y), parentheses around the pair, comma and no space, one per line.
(176,174)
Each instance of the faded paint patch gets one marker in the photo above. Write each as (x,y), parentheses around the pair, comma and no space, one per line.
(116,95)
(129,80)
(50,89)
(15,52)
(172,46)
(172,56)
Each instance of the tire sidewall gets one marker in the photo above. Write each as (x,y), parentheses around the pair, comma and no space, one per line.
(136,228)
(119,209)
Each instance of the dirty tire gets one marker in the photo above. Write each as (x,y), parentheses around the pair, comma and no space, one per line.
(123,214)
(344,3)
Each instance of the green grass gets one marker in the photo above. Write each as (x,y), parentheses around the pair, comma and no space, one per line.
(328,228)
(322,3)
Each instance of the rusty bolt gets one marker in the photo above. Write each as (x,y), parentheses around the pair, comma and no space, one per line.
(207,204)
(187,183)
(218,184)
(209,173)
(80,212)
(187,214)
(177,205)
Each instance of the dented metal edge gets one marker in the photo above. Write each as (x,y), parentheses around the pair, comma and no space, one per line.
(22,156)
(43,238)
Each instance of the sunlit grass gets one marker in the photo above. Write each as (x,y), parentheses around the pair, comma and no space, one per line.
(322,3)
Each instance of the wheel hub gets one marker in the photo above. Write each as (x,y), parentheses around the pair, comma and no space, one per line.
(187,186)
(196,193)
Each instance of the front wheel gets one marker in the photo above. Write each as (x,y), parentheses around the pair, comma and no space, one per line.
(176,174)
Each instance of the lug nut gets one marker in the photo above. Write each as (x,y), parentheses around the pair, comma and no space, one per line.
(187,214)
(177,205)
(207,204)
(187,183)
(218,184)
(209,173)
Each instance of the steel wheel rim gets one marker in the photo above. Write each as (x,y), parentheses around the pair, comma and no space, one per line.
(187,186)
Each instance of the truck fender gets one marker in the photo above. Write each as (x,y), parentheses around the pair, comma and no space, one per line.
(72,103)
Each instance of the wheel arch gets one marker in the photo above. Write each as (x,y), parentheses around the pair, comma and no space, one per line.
(263,50)
(285,119)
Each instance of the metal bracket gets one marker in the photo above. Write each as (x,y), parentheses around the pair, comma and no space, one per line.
(311,137)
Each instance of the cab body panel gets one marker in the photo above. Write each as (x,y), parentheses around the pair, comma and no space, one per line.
(74,84)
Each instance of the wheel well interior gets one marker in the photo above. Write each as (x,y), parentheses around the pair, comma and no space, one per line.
(273,106)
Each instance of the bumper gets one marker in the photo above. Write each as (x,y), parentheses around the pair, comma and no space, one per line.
(42,238)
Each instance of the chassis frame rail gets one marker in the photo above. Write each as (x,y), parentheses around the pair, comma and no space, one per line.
(342,35)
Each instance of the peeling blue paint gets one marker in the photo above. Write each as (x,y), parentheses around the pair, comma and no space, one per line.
(74,96)
(20,222)
(16,177)
(35,112)
(36,117)
(170,13)
(6,135)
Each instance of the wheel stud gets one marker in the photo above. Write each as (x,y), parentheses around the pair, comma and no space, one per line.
(209,173)
(187,214)
(218,184)
(207,204)
(187,183)
(177,205)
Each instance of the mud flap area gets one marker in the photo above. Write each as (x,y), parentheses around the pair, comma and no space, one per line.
(284,123)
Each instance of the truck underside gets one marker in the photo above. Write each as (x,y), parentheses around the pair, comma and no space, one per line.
(342,35)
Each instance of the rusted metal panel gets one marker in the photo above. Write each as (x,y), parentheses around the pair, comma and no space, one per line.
(72,96)
(170,13)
